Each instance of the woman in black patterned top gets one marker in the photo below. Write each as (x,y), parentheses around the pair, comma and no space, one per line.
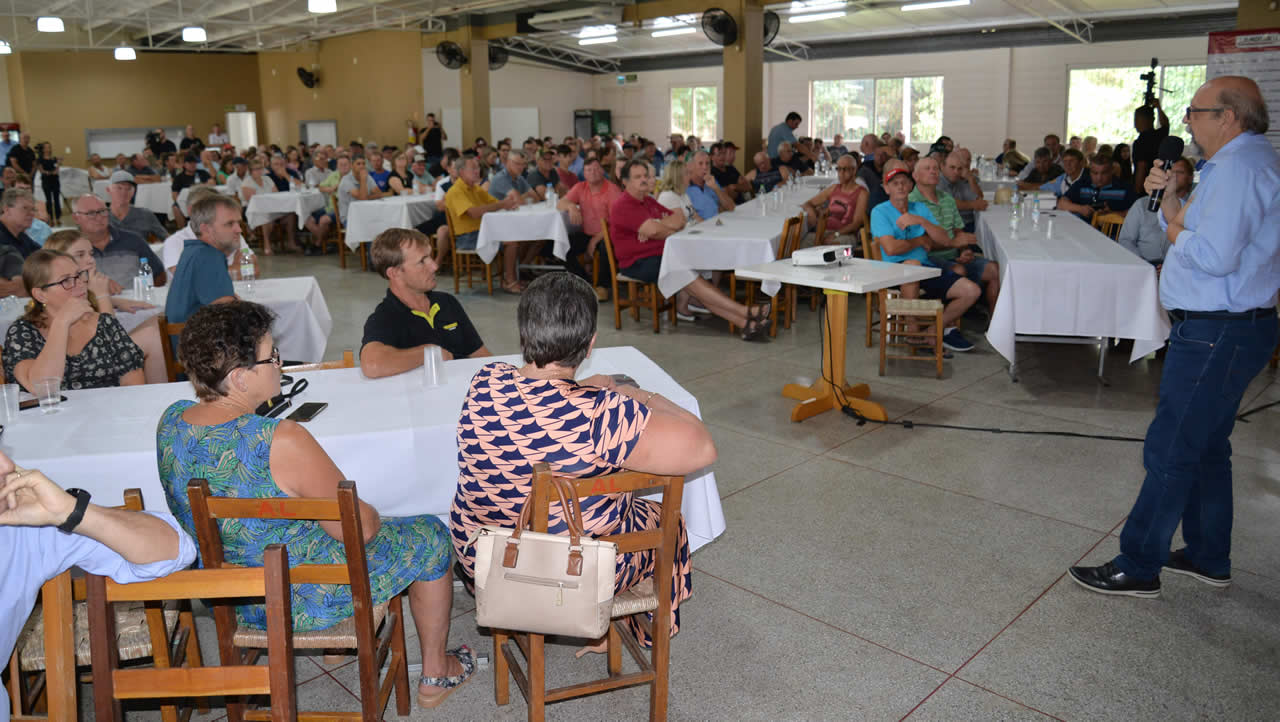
(61,335)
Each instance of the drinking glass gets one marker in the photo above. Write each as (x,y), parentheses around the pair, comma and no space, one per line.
(10,394)
(49,391)
(432,367)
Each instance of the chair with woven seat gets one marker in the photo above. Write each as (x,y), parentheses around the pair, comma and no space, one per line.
(141,631)
(348,361)
(785,300)
(651,595)
(640,294)
(169,332)
(1109,223)
(466,262)
(277,679)
(897,315)
(373,631)
(871,252)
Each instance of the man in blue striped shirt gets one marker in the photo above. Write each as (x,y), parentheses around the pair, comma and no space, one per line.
(1219,284)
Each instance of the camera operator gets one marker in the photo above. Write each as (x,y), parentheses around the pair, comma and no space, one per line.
(1147,146)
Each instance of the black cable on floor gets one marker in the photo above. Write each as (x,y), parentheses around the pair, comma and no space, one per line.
(908,424)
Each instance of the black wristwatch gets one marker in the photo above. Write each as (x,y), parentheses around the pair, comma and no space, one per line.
(77,514)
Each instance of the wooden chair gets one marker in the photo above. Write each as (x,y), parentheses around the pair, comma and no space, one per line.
(898,315)
(652,595)
(348,361)
(640,294)
(168,346)
(276,679)
(1109,223)
(871,252)
(785,301)
(466,263)
(362,251)
(360,632)
(45,658)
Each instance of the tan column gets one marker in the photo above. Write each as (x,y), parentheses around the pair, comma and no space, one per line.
(744,81)
(475,88)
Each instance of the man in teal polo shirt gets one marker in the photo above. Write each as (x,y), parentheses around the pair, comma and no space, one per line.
(961,259)
(201,277)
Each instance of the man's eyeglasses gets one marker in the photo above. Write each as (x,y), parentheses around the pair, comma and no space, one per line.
(1193,109)
(69,282)
(93,214)
(274,358)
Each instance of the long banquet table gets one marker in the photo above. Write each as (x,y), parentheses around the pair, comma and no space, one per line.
(530,222)
(366,219)
(393,436)
(741,237)
(1074,283)
(156,197)
(266,207)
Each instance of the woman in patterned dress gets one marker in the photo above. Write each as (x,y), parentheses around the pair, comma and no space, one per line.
(228,353)
(61,334)
(513,417)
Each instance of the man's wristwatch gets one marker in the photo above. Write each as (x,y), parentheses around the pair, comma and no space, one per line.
(77,514)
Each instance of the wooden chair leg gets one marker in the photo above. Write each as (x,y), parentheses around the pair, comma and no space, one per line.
(937,348)
(632,290)
(398,651)
(501,672)
(867,297)
(886,328)
(537,668)
(617,307)
(488,277)
(615,650)
(657,313)
(364,257)
(458,265)
(342,254)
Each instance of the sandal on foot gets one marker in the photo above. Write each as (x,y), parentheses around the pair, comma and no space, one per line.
(757,323)
(515,288)
(448,684)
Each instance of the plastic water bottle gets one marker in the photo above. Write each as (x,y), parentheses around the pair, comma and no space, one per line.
(148,278)
(1035,212)
(551,196)
(246,270)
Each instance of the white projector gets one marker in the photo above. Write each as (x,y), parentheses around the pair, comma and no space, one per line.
(821,255)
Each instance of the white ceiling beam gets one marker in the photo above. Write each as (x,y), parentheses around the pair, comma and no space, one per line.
(130,11)
(286,22)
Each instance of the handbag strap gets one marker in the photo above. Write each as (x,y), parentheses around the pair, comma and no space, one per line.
(572,512)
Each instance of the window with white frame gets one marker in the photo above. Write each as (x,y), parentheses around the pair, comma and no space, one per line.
(1101,101)
(694,111)
(856,107)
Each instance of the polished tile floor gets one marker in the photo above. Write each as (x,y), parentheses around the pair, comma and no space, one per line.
(880,573)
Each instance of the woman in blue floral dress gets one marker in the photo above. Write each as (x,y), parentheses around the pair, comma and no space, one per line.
(228,353)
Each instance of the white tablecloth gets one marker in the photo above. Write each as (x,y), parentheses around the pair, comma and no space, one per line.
(155,197)
(397,440)
(266,207)
(1076,283)
(302,324)
(532,222)
(743,237)
(72,183)
(366,219)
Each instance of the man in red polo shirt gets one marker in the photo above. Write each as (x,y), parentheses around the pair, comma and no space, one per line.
(638,228)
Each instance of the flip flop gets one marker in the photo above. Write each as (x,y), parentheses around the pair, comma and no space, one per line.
(514,289)
(448,684)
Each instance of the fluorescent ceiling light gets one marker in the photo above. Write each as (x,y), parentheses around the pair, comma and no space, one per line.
(193,34)
(674,31)
(322,6)
(126,53)
(598,40)
(5,48)
(816,17)
(814,6)
(934,5)
(596,31)
(49,25)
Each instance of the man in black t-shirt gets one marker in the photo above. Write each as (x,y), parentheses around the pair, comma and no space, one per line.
(724,171)
(190,176)
(413,315)
(190,141)
(22,157)
(790,158)
(1147,146)
(158,144)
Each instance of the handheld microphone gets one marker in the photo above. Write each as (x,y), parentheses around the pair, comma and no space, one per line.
(1170,151)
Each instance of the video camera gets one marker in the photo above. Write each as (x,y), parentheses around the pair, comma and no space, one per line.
(1149,97)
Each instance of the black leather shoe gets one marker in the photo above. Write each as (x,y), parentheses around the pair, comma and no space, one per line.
(1108,579)
(1179,564)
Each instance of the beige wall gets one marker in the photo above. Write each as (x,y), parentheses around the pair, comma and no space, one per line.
(63,93)
(988,94)
(1257,15)
(6,105)
(369,83)
(519,84)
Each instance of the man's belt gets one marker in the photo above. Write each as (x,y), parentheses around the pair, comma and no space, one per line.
(1180,315)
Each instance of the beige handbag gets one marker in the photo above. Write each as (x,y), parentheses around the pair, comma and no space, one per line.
(529,581)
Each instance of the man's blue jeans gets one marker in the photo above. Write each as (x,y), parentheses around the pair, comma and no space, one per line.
(1187,453)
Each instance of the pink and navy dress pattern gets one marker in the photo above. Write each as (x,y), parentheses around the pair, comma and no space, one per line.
(510,422)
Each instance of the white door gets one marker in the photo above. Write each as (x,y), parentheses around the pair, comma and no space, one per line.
(324,132)
(242,128)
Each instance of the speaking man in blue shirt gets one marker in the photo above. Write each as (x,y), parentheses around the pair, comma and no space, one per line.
(1219,284)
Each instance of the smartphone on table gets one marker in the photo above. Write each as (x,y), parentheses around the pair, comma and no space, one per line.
(307,411)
